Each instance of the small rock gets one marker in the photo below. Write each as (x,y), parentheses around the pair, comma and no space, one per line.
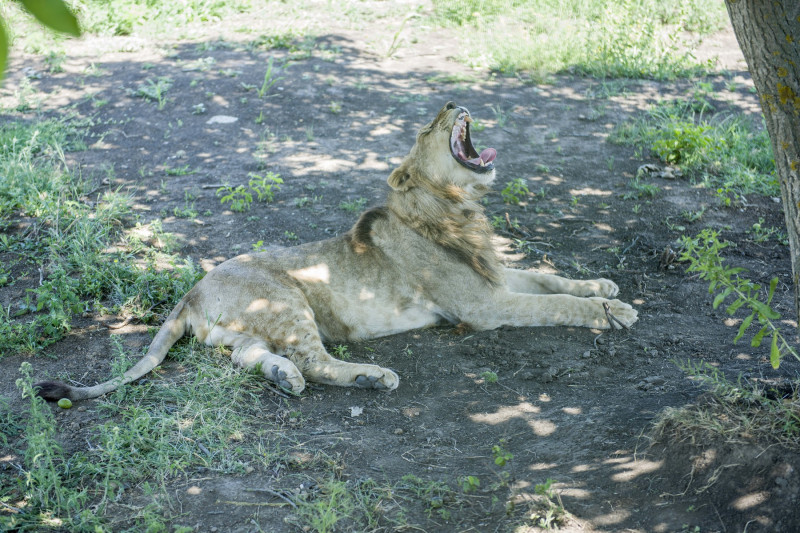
(222,119)
(398,431)
(587,354)
(655,380)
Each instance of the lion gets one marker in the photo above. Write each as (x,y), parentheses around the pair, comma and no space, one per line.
(424,258)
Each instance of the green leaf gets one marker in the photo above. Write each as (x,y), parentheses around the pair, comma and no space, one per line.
(766,311)
(772,284)
(745,324)
(774,352)
(756,342)
(735,306)
(721,296)
(54,14)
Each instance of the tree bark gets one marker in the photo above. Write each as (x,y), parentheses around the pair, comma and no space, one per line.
(768,32)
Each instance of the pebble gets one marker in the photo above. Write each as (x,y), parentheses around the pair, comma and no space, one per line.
(398,431)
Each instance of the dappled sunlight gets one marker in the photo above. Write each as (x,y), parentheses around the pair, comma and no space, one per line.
(590,191)
(627,468)
(750,500)
(314,274)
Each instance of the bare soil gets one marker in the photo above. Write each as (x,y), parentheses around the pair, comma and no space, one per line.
(573,405)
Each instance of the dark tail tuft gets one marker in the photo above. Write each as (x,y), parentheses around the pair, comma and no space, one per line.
(52,390)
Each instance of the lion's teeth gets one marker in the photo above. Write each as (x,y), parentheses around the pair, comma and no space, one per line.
(482,163)
(468,119)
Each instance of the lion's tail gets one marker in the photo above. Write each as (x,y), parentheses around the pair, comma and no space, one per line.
(172,330)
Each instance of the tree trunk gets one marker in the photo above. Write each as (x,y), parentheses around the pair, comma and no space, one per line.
(768,32)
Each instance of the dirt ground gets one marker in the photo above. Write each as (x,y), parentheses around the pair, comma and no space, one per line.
(572,405)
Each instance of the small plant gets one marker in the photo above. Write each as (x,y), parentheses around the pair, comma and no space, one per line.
(500,115)
(550,513)
(187,211)
(335,107)
(703,255)
(265,186)
(185,170)
(240,198)
(290,235)
(515,191)
(155,90)
(341,351)
(269,80)
(353,206)
(693,216)
(470,484)
(640,189)
(500,454)
(762,233)
(489,376)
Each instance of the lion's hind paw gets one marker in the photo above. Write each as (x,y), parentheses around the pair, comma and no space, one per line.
(285,381)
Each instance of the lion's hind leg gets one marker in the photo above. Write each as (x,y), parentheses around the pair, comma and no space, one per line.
(254,354)
(319,366)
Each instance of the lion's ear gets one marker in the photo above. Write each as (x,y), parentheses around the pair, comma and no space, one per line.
(400,179)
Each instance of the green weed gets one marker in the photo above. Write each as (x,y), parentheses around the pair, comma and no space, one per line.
(239,197)
(155,90)
(265,186)
(353,206)
(724,152)
(515,191)
(703,255)
(269,79)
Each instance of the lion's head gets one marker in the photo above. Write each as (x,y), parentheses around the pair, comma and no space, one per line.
(444,155)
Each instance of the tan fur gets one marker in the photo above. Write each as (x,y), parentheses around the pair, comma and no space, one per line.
(424,258)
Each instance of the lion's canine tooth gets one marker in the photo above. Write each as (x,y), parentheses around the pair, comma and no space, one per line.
(482,163)
(468,119)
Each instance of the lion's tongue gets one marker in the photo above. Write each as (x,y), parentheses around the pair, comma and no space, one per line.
(486,157)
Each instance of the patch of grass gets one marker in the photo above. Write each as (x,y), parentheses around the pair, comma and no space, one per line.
(642,38)
(148,434)
(353,206)
(86,259)
(126,17)
(759,410)
(722,151)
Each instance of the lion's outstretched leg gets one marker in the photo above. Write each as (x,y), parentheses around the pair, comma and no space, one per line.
(523,281)
(516,309)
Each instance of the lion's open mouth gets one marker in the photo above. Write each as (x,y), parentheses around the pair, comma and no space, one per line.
(462,149)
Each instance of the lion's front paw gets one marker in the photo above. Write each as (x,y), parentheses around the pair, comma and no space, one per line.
(387,381)
(604,288)
(620,315)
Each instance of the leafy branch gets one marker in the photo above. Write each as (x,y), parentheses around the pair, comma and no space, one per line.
(52,13)
(703,254)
